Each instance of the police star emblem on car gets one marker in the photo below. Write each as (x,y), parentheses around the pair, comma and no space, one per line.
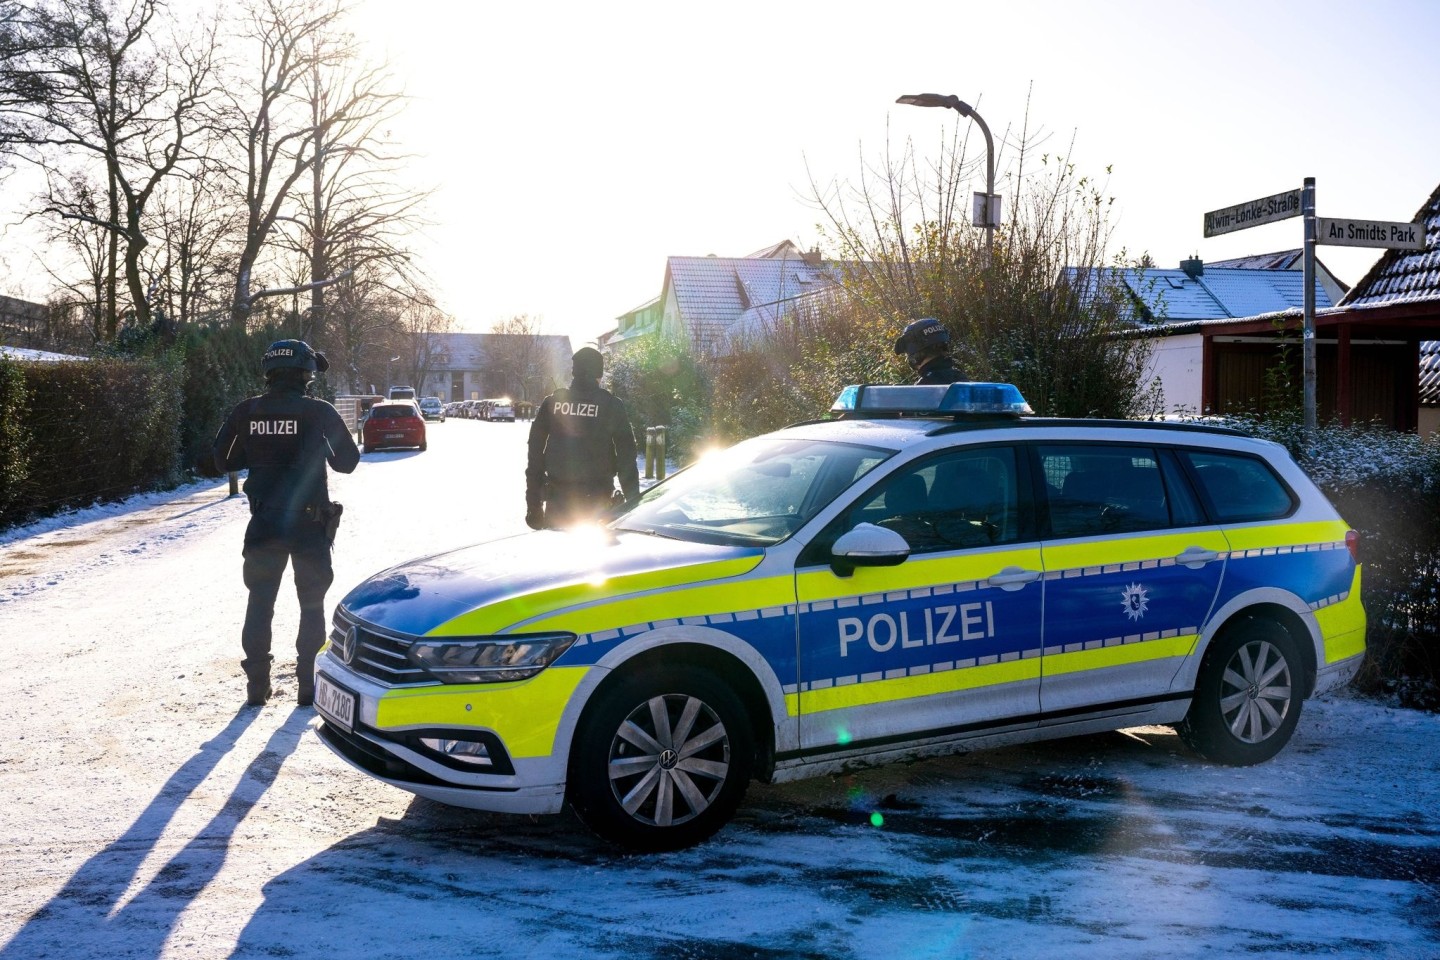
(1134,601)
(931,569)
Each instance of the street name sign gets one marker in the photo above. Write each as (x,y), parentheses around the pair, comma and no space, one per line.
(1281,206)
(1369,233)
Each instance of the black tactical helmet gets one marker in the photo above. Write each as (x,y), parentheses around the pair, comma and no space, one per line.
(924,336)
(293,355)
(588,362)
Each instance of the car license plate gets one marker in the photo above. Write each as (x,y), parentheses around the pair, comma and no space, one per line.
(335,703)
(394,436)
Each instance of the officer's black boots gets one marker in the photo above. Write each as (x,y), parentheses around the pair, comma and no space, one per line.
(305,680)
(257,691)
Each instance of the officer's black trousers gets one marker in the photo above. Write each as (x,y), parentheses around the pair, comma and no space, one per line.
(264,566)
(572,504)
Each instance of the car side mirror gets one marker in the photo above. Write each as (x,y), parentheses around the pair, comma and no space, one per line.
(867,545)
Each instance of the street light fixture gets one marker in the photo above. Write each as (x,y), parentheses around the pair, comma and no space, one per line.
(965,110)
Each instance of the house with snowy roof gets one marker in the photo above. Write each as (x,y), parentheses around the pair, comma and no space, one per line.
(709,302)
(1399,298)
(1371,345)
(1183,307)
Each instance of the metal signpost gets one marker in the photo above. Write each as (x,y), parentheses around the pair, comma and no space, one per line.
(1350,233)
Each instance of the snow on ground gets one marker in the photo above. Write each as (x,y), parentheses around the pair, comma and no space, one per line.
(145,813)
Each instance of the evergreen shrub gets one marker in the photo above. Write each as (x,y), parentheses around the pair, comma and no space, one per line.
(94,430)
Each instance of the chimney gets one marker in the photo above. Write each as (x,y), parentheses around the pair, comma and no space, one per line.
(1194,267)
(812,258)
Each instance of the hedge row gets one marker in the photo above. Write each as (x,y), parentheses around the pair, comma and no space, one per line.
(76,432)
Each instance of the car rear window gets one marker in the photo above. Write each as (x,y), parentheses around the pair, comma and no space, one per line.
(389,411)
(1238,488)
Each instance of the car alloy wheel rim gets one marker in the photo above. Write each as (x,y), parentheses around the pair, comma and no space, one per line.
(1255,692)
(669,760)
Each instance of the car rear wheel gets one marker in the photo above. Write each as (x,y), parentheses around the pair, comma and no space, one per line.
(662,759)
(1248,697)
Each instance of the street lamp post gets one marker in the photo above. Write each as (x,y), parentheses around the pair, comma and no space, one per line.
(965,110)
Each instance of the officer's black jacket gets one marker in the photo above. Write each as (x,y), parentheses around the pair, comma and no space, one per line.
(285,439)
(581,437)
(939,370)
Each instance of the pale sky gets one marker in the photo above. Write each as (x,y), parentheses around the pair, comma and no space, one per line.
(576,146)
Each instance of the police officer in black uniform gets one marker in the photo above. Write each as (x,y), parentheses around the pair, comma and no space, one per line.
(926,345)
(285,439)
(580,441)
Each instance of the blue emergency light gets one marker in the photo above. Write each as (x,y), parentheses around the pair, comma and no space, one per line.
(942,400)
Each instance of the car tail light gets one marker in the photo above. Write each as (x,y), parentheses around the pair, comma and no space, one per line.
(1352,543)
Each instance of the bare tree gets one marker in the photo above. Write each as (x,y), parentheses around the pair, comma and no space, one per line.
(192,256)
(89,244)
(1037,312)
(424,324)
(355,215)
(20,87)
(517,358)
(282,132)
(365,332)
(118,98)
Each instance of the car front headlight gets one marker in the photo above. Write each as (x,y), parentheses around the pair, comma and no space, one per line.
(497,659)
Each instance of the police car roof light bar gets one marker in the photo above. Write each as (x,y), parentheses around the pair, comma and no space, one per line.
(865,400)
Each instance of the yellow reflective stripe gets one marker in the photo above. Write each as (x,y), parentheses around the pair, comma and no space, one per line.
(694,604)
(923,685)
(921,571)
(1286,534)
(1161,549)
(497,616)
(1343,625)
(1101,657)
(525,714)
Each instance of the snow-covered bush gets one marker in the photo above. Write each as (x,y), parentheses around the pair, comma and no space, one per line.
(1387,487)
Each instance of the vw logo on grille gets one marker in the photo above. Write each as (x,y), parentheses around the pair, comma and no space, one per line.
(347,645)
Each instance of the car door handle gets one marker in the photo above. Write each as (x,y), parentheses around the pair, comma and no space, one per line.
(1013,578)
(1196,557)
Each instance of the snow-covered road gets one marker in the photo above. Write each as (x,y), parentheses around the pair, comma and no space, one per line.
(145,813)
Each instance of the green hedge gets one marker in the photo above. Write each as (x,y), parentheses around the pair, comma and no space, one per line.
(81,431)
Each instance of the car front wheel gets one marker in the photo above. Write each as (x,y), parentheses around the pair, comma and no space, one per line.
(1248,696)
(662,759)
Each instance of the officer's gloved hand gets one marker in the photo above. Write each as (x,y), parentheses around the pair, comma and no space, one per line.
(535,519)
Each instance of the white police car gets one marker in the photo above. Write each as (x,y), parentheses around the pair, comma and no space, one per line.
(931,571)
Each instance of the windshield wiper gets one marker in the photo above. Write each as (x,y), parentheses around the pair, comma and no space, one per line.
(648,533)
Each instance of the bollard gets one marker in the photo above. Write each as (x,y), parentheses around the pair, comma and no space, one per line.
(234,484)
(649,453)
(659,454)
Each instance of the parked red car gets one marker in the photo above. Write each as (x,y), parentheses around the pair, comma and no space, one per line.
(393,424)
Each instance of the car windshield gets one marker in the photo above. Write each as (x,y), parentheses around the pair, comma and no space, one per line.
(756,493)
(390,411)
